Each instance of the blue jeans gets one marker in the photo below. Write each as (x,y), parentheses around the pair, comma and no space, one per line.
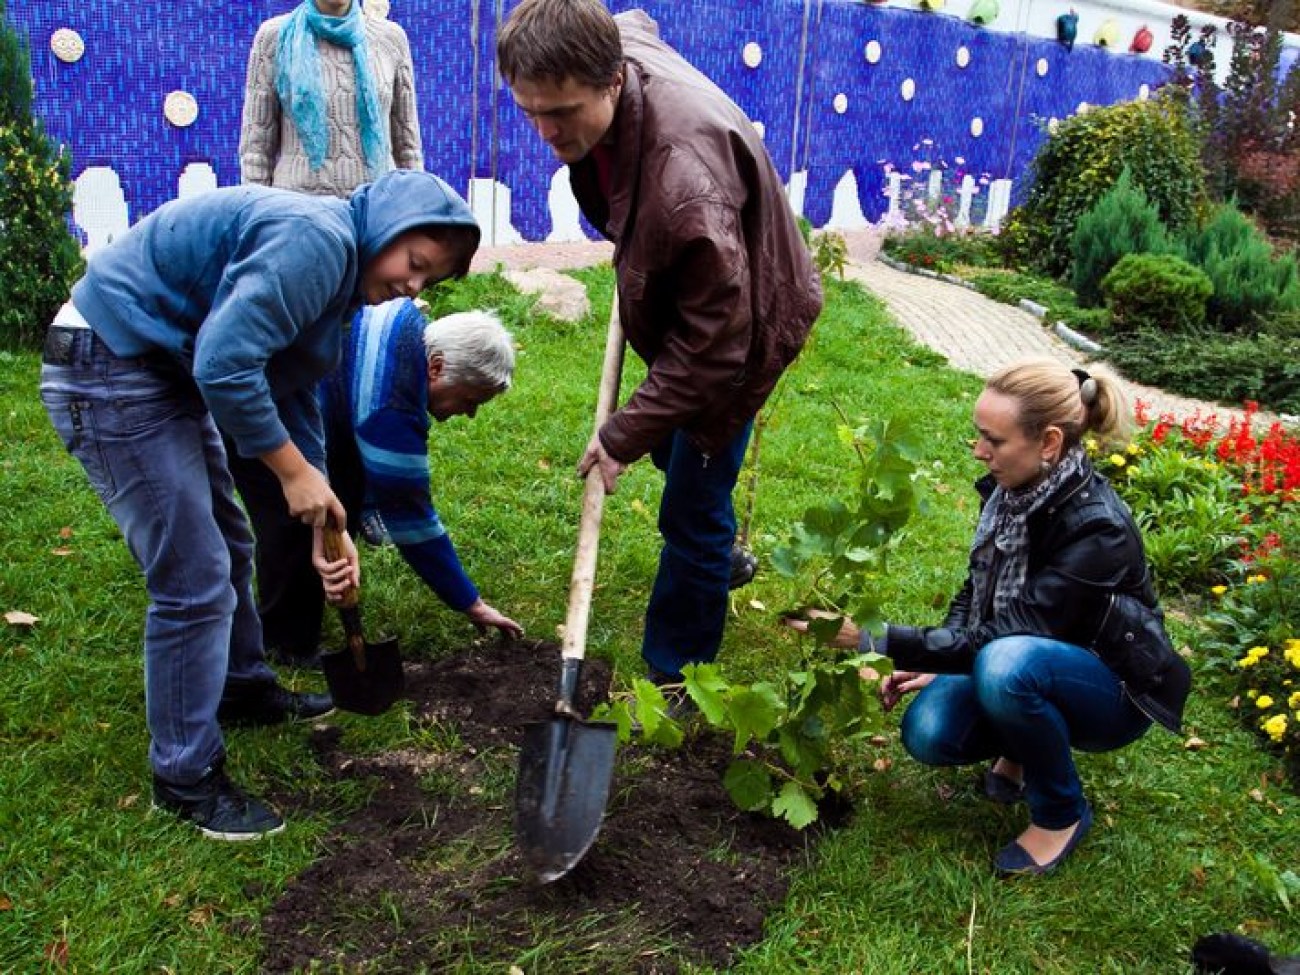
(153,455)
(688,604)
(1031,700)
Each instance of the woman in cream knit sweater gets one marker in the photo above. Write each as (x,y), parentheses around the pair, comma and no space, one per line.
(329,101)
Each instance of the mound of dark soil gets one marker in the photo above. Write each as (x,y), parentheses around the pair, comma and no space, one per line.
(424,876)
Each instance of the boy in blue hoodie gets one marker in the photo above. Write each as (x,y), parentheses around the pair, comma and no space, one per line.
(225,310)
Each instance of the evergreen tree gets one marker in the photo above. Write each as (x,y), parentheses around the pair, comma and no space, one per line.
(39,259)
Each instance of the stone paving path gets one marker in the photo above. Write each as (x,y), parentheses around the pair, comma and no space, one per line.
(974,333)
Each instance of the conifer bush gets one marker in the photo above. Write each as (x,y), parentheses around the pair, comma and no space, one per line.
(1157,292)
(1251,284)
(1123,222)
(39,259)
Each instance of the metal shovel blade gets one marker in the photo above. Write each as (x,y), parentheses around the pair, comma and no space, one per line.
(371,690)
(565,768)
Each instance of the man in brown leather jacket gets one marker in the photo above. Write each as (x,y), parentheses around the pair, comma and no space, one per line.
(716,288)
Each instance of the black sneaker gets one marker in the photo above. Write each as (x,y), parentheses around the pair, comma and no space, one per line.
(744,565)
(218,807)
(260,704)
(294,658)
(680,704)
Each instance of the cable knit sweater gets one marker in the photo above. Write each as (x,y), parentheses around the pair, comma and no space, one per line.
(270,151)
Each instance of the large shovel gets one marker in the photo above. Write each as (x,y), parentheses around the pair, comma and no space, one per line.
(365,678)
(566,763)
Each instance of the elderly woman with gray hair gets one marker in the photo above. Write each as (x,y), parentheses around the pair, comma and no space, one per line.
(1056,641)
(398,373)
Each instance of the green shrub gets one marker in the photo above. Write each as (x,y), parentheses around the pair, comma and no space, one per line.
(1123,222)
(39,259)
(1250,283)
(1156,291)
(1153,139)
(1223,368)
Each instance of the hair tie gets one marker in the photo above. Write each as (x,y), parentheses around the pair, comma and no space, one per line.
(1087,386)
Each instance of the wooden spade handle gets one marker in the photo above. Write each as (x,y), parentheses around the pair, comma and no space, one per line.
(333,541)
(583,580)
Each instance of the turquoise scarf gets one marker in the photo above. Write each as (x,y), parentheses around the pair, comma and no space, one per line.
(298,82)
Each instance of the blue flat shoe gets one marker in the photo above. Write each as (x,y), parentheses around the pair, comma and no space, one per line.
(1013,860)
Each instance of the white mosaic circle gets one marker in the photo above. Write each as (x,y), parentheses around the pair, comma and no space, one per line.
(180,108)
(872,52)
(67,45)
(841,103)
(977,126)
(1041,67)
(907,89)
(963,56)
(752,54)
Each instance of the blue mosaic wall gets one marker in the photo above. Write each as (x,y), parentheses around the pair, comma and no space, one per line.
(108,106)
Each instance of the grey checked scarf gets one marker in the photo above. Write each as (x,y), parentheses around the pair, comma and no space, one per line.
(1002,537)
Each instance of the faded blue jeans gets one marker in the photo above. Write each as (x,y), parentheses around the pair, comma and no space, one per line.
(1031,700)
(688,604)
(153,455)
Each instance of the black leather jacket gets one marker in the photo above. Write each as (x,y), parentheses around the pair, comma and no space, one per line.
(1086,583)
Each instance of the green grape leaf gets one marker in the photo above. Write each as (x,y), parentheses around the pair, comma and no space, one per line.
(754,711)
(749,784)
(795,805)
(707,687)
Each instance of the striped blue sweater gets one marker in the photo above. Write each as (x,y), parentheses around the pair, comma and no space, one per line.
(380,396)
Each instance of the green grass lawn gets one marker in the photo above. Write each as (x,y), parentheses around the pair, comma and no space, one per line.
(1186,841)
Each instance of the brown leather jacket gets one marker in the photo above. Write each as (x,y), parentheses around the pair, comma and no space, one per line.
(717,291)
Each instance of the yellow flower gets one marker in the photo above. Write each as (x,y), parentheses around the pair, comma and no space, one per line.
(1134,449)
(1263,702)
(1218,590)
(1252,694)
(1252,580)
(1118,460)
(1293,702)
(1292,653)
(1275,727)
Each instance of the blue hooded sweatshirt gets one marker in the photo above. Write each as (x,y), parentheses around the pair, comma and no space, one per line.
(246,289)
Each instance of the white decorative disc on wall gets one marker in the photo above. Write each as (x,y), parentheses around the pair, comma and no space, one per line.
(1144,92)
(907,89)
(841,103)
(977,126)
(1041,67)
(180,108)
(752,54)
(761,129)
(963,56)
(872,52)
(67,45)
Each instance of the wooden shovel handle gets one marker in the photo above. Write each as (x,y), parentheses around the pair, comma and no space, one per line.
(583,580)
(333,543)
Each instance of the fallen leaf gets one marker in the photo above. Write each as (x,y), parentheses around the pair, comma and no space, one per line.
(1198,875)
(200,917)
(173,900)
(61,550)
(1194,744)
(65,532)
(16,617)
(543,464)
(6,904)
(883,765)
(126,802)
(1256,794)
(879,740)
(56,953)
(758,605)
